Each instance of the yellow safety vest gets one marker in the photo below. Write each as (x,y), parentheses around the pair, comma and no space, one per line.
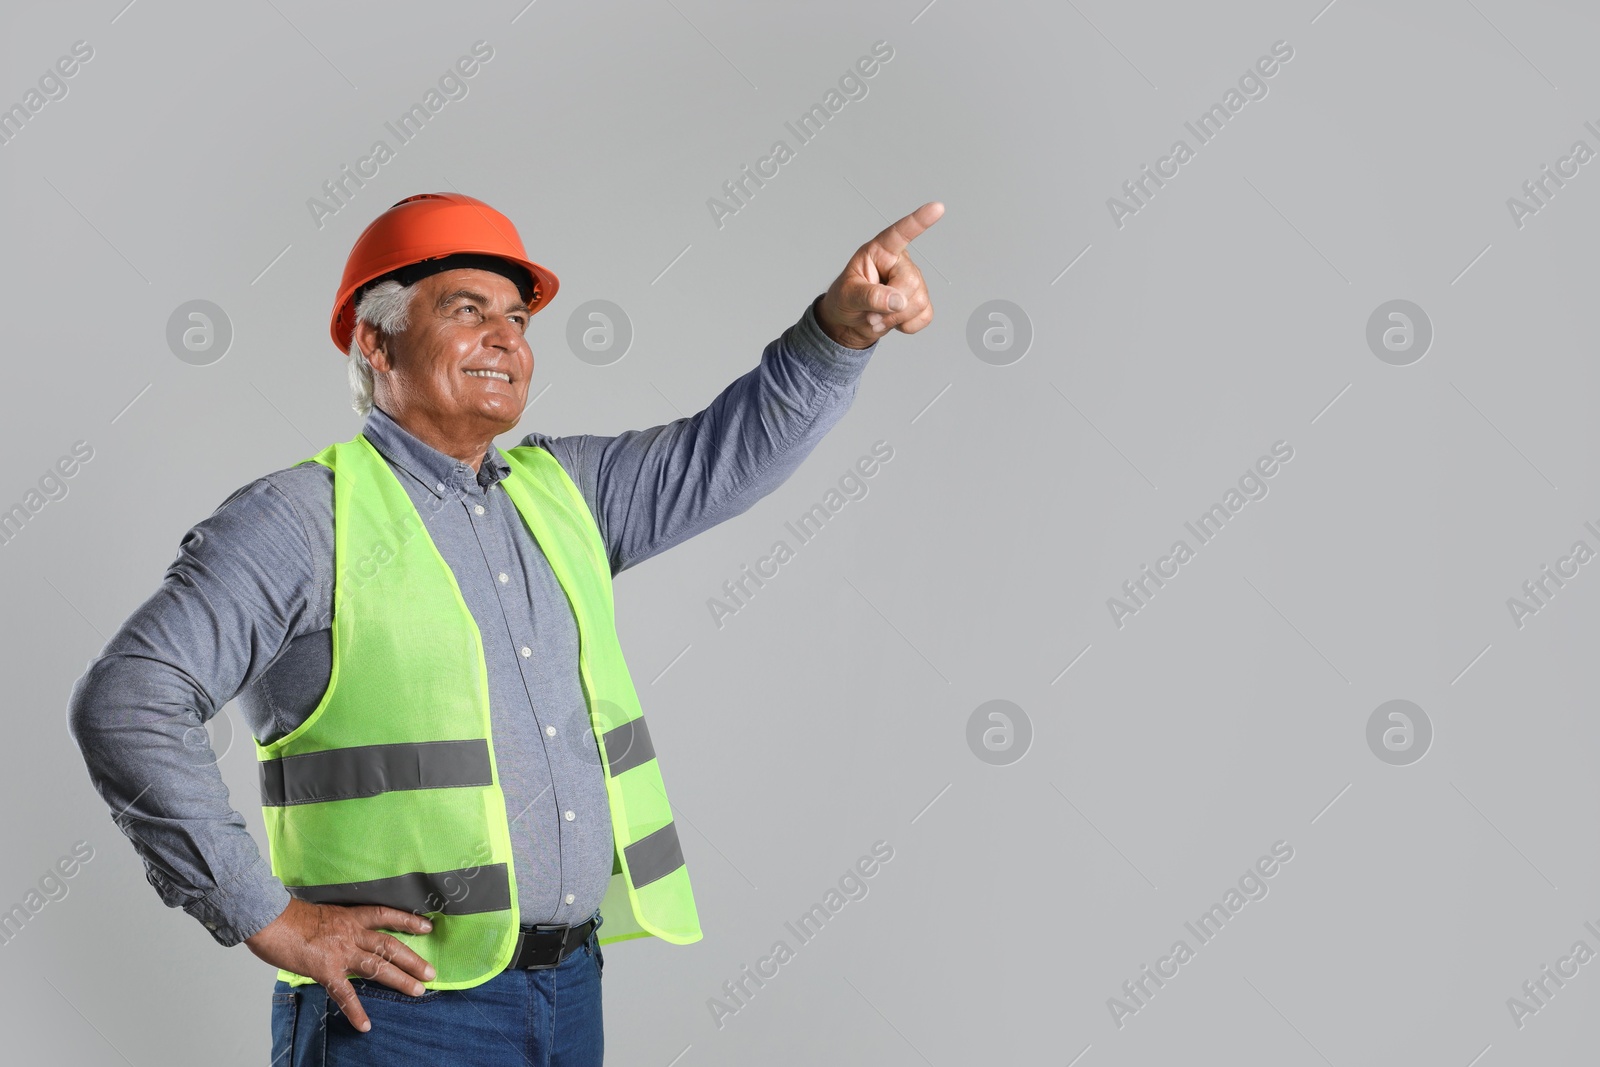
(388,793)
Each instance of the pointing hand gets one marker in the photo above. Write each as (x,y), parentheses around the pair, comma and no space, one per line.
(880,288)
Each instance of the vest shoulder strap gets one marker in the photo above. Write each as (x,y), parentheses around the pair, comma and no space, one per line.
(537,468)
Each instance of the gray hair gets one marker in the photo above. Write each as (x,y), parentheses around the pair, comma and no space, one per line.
(387,306)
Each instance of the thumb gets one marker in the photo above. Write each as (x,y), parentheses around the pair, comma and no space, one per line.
(862,295)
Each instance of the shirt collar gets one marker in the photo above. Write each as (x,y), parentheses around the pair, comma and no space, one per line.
(434,469)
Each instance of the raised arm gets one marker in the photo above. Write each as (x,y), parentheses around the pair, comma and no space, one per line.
(651,489)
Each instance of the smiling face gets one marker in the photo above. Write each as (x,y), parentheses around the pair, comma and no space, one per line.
(461,367)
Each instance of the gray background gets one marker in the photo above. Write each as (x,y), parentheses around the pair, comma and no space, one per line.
(833,711)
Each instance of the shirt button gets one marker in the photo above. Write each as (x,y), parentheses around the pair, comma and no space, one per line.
(440,487)
(570,816)
(503,578)
(570,898)
(478,508)
(526,651)
(550,731)
(213,926)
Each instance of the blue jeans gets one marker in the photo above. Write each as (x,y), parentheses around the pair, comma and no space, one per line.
(546,1018)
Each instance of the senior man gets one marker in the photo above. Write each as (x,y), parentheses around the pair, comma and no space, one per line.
(457,781)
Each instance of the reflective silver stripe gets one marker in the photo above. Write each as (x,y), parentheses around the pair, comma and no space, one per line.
(628,745)
(467,891)
(655,855)
(367,770)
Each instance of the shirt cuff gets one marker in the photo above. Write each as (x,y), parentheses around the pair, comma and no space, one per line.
(241,907)
(825,357)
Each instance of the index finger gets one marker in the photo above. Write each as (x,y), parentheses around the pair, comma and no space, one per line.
(382,917)
(902,232)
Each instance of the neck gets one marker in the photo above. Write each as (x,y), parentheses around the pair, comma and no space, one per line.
(469,446)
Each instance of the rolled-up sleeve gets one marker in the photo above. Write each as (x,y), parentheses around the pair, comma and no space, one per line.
(654,488)
(227,606)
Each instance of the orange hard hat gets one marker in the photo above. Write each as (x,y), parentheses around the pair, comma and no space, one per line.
(428,233)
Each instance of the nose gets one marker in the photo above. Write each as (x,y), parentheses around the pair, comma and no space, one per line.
(500,332)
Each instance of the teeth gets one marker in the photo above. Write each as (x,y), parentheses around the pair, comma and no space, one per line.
(502,375)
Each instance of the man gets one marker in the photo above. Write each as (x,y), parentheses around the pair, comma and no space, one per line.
(457,782)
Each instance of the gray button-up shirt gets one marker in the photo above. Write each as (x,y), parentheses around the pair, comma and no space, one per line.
(246,610)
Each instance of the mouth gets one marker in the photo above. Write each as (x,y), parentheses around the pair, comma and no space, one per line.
(499,375)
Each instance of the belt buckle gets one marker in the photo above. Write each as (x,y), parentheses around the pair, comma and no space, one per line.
(545,940)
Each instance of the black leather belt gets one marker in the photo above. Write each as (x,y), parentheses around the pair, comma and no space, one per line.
(545,945)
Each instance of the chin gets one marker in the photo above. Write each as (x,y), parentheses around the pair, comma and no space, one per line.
(504,414)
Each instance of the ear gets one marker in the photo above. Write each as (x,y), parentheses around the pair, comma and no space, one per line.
(374,343)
